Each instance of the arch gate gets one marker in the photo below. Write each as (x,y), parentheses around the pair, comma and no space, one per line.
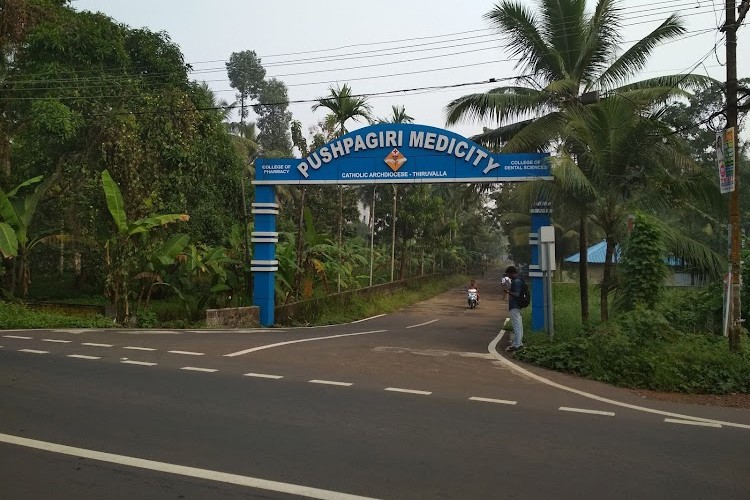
(388,154)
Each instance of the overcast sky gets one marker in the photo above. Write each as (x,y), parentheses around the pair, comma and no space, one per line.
(461,49)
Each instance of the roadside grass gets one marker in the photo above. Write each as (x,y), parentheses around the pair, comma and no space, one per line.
(640,349)
(359,308)
(18,316)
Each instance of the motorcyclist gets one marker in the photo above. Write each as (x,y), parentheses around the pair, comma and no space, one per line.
(475,287)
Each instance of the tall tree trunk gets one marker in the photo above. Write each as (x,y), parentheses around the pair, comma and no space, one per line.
(393,232)
(61,263)
(404,254)
(607,280)
(4,148)
(300,243)
(583,267)
(341,231)
(372,231)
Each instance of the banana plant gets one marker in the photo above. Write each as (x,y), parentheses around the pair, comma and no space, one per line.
(211,269)
(122,248)
(164,257)
(17,214)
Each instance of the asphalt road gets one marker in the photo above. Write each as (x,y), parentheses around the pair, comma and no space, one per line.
(408,405)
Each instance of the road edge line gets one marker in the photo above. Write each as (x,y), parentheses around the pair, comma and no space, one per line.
(181,470)
(493,350)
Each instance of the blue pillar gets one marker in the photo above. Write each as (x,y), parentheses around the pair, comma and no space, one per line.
(264,264)
(540,216)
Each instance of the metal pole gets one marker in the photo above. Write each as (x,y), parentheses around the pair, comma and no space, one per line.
(550,303)
(735,324)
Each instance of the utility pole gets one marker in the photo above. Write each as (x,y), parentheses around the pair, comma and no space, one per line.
(735,311)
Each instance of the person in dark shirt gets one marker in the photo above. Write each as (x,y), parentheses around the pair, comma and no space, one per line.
(514,308)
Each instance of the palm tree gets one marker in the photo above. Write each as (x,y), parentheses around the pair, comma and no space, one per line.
(631,161)
(344,107)
(570,57)
(398,115)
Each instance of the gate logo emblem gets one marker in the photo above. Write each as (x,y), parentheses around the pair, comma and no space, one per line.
(395,159)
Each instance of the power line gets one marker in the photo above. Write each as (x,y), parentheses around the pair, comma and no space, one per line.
(323,59)
(79,83)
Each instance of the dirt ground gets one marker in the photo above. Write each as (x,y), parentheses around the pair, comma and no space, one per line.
(728,400)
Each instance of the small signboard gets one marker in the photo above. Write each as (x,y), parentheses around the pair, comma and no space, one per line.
(725,159)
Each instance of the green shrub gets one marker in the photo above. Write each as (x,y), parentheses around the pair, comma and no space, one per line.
(146,318)
(19,316)
(646,348)
(694,310)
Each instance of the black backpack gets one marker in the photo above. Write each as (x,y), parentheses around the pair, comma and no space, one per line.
(525,298)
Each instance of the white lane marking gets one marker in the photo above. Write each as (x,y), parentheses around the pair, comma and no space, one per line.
(330,382)
(92,344)
(83,356)
(16,337)
(195,369)
(59,341)
(408,391)
(692,422)
(278,344)
(583,410)
(34,351)
(493,350)
(152,332)
(490,400)
(263,375)
(367,319)
(142,363)
(422,324)
(135,348)
(188,353)
(211,475)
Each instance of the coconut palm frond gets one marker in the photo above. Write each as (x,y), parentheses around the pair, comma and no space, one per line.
(636,57)
(500,105)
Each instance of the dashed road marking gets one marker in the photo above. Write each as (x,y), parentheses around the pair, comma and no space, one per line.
(136,348)
(188,353)
(692,422)
(408,391)
(330,382)
(422,324)
(59,341)
(181,470)
(490,400)
(263,375)
(141,363)
(92,344)
(196,369)
(34,351)
(16,337)
(583,410)
(279,344)
(83,356)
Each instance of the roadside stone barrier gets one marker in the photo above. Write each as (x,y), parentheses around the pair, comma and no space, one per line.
(233,317)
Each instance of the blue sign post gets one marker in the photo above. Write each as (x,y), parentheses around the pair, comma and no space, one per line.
(378,154)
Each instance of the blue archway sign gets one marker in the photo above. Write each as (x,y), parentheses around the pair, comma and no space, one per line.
(378,154)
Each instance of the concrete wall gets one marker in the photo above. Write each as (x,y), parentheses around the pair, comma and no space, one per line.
(233,317)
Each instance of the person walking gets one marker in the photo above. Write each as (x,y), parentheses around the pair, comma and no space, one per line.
(514,308)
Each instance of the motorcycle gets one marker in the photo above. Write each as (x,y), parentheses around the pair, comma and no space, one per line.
(471,295)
